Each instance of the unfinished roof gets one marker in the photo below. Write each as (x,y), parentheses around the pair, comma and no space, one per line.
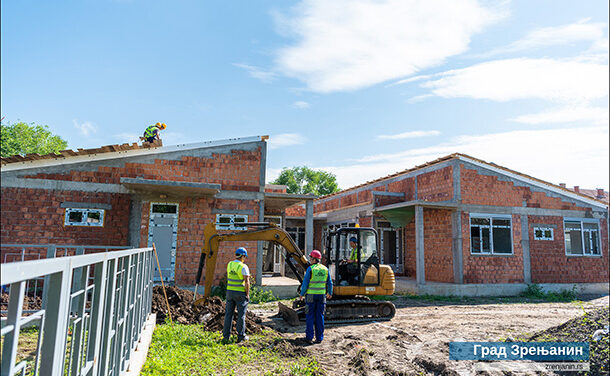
(17,162)
(467,158)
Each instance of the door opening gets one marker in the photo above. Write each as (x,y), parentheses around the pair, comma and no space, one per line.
(163,230)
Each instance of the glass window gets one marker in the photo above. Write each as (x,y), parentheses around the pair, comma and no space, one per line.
(231,221)
(84,217)
(490,235)
(573,238)
(543,233)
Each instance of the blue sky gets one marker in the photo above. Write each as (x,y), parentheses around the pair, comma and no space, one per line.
(359,88)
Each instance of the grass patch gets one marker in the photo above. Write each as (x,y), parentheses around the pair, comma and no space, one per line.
(534,291)
(190,350)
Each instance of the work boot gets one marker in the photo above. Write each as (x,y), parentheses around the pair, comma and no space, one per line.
(244,338)
(308,341)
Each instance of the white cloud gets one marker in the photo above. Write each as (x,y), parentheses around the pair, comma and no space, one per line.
(510,79)
(85,128)
(577,156)
(285,139)
(256,72)
(301,105)
(346,45)
(581,31)
(590,115)
(411,134)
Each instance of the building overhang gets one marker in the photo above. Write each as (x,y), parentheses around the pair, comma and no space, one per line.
(400,214)
(280,201)
(153,187)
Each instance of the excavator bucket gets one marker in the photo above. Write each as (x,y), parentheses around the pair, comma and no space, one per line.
(288,314)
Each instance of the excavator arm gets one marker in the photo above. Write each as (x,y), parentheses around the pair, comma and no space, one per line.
(294,257)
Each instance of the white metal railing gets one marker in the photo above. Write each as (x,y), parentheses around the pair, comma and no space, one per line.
(93,316)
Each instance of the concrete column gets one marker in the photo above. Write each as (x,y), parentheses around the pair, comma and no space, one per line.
(259,247)
(525,245)
(458,262)
(135,221)
(308,226)
(419,245)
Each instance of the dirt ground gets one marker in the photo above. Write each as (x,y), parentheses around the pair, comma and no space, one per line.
(416,340)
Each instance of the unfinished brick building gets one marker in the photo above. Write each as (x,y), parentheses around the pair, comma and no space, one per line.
(462,225)
(131,196)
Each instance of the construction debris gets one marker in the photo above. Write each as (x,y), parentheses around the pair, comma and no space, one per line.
(184,312)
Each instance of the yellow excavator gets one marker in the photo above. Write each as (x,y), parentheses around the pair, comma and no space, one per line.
(351,256)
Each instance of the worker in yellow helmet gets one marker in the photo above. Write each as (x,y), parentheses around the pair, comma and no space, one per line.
(152,132)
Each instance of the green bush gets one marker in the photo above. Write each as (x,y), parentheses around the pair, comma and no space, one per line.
(221,289)
(534,291)
(258,295)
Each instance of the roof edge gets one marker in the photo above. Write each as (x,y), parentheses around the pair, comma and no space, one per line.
(70,159)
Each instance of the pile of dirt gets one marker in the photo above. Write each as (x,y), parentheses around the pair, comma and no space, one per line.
(183,310)
(581,329)
(30,302)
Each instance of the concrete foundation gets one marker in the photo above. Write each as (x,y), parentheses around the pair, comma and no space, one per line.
(410,286)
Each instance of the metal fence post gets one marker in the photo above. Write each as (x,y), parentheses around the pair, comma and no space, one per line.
(45,290)
(97,315)
(9,350)
(56,323)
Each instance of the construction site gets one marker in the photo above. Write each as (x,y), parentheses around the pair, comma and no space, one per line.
(455,250)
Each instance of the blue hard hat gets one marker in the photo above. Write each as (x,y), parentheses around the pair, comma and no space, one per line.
(241,251)
(353,239)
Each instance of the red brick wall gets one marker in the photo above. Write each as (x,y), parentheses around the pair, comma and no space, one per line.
(436,185)
(239,170)
(549,263)
(438,244)
(492,268)
(480,189)
(406,185)
(295,211)
(34,216)
(409,249)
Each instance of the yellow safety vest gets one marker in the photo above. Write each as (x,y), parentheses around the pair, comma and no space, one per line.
(235,278)
(317,282)
(150,131)
(354,255)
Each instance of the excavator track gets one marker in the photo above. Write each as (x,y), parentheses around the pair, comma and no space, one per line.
(343,311)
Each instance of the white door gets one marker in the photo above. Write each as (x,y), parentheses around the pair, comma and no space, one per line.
(163,230)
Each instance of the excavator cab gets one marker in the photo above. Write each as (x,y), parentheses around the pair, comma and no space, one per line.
(352,256)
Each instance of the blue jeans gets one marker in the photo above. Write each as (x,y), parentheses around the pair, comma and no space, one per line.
(235,299)
(314,310)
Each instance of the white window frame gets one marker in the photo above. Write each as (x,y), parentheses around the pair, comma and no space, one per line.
(232,224)
(582,237)
(85,213)
(543,229)
(490,217)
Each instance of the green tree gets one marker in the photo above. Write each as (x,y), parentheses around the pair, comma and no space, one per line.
(302,180)
(23,138)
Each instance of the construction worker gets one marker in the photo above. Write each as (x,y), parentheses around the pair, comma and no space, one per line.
(353,244)
(317,287)
(238,295)
(152,132)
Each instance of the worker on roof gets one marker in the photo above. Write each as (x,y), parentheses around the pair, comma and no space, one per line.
(238,295)
(317,287)
(152,132)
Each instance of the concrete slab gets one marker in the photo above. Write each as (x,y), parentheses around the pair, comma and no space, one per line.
(281,287)
(138,356)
